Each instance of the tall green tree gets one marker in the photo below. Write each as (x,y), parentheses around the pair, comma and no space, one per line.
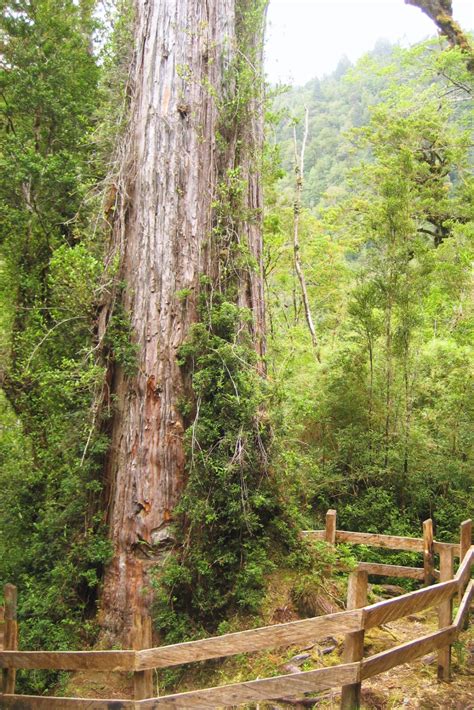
(50,267)
(400,230)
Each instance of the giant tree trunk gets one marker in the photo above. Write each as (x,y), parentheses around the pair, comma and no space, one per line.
(174,158)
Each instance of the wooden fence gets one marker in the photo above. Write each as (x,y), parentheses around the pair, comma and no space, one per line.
(8,636)
(358,618)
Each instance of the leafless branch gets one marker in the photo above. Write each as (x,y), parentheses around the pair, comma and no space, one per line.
(299,169)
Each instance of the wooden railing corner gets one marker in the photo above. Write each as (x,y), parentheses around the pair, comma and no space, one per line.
(353,623)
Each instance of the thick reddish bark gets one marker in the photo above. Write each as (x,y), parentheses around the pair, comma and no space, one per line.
(171,166)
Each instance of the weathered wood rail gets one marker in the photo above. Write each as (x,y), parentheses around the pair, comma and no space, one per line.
(353,623)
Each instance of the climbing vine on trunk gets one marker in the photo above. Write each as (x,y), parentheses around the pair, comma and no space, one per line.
(186,232)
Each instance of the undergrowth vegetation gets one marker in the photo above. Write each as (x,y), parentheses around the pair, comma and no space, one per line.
(53,539)
(384,433)
(229,515)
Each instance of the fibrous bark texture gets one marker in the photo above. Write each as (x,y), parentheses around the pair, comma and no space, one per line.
(171,166)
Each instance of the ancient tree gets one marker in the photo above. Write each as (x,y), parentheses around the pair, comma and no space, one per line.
(194,130)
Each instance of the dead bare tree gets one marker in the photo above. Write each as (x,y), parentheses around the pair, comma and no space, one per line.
(299,170)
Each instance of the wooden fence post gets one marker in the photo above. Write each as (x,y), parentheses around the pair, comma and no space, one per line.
(354,643)
(10,638)
(2,644)
(445,612)
(142,680)
(331,518)
(428,557)
(465,537)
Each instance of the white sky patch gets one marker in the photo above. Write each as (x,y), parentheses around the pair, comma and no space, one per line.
(307,38)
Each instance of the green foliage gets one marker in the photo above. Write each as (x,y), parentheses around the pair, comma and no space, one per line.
(118,339)
(113,88)
(243,79)
(319,565)
(227,512)
(381,428)
(53,543)
(335,104)
(72,270)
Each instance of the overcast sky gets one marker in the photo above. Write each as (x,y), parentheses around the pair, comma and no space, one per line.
(306,38)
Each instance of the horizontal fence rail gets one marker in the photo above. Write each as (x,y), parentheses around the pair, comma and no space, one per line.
(69,660)
(407,652)
(259,639)
(392,570)
(390,542)
(411,603)
(353,623)
(265,637)
(258,690)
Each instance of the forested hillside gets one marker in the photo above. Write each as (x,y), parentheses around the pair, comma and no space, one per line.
(168,421)
(335,104)
(382,425)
